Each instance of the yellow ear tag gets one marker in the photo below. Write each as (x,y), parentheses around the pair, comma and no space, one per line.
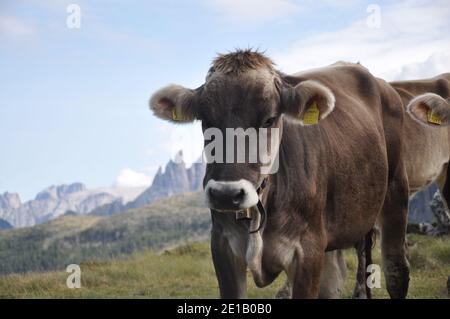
(175,117)
(311,115)
(433,118)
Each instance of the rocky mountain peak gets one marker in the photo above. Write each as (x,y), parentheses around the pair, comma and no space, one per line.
(64,190)
(179,157)
(55,201)
(9,200)
(60,191)
(175,179)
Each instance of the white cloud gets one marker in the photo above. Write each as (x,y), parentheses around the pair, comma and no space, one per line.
(187,138)
(130,178)
(436,63)
(412,31)
(253,11)
(13,27)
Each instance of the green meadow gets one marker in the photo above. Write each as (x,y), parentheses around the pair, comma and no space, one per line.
(187,272)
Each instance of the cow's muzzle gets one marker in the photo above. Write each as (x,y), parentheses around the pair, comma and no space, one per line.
(231,196)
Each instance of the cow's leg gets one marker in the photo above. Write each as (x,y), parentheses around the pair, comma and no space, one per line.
(393,235)
(364,252)
(230,270)
(333,275)
(285,292)
(359,291)
(305,271)
(332,279)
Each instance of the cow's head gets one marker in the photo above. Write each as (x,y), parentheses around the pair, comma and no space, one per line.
(242,92)
(430,109)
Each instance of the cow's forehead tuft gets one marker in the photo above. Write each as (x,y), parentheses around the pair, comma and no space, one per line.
(240,61)
(259,82)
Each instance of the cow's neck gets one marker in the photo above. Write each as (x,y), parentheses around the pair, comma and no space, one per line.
(298,180)
(288,190)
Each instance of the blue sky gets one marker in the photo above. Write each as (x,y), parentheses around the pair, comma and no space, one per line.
(73,102)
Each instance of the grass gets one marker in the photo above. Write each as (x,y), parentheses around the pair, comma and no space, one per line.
(429,259)
(187,272)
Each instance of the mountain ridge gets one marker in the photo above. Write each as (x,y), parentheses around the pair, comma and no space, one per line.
(55,201)
(175,179)
(76,198)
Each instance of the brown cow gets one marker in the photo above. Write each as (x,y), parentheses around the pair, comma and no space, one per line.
(334,178)
(426,150)
(427,144)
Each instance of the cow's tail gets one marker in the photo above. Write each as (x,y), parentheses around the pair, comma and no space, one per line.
(369,244)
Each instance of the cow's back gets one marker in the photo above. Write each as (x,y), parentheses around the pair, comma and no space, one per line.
(427,149)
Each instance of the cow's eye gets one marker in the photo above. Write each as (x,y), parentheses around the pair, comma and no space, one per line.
(269,122)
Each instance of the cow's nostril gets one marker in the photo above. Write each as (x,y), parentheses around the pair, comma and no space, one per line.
(239,196)
(212,193)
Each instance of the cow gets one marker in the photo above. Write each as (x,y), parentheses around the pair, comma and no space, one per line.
(427,140)
(426,144)
(339,150)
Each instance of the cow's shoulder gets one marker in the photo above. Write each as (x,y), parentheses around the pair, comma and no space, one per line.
(443,76)
(346,63)
(339,67)
(439,84)
(343,78)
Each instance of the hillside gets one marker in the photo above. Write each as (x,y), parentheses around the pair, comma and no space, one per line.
(73,239)
(187,272)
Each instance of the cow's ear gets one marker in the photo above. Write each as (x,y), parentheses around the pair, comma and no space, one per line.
(308,102)
(430,109)
(174,103)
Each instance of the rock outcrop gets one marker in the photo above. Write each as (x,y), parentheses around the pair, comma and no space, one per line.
(55,201)
(174,179)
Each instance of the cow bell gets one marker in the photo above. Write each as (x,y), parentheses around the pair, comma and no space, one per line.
(245,214)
